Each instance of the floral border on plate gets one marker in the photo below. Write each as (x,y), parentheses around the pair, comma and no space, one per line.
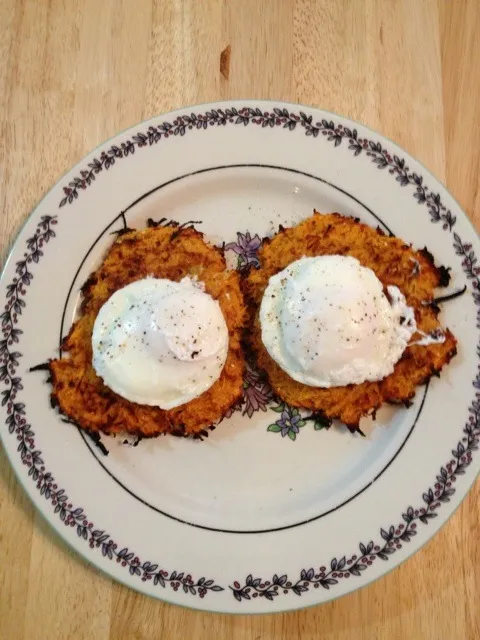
(279,117)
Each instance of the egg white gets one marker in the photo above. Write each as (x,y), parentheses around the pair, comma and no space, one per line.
(327,322)
(160,343)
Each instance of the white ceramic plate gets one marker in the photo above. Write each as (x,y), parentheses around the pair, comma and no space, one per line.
(251,519)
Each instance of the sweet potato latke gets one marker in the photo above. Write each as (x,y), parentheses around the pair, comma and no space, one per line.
(164,252)
(394,263)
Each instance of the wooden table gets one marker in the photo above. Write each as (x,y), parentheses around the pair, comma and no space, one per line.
(74,72)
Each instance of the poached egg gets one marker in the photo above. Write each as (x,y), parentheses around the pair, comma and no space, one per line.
(159,342)
(327,322)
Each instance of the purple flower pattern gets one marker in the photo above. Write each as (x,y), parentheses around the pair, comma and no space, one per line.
(289,423)
(256,393)
(246,248)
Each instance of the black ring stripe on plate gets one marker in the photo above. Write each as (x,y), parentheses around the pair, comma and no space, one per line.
(121,215)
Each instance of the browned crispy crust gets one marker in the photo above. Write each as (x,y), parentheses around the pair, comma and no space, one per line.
(164,252)
(394,263)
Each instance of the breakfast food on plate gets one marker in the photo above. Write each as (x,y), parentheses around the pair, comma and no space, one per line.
(157,348)
(343,317)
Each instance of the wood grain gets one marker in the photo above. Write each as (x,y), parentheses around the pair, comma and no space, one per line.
(74,73)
